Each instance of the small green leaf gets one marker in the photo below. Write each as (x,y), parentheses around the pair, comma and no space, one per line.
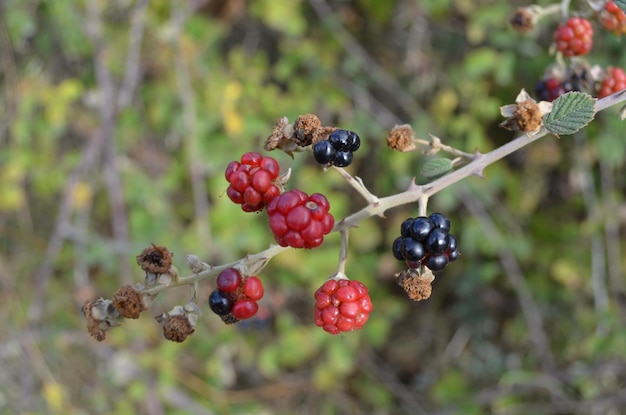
(570,113)
(621,4)
(436,167)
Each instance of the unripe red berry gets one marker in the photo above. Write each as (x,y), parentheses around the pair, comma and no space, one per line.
(244,309)
(574,37)
(342,305)
(228,280)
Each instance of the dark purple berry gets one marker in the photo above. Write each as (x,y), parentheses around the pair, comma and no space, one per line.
(453,255)
(396,249)
(354,142)
(324,152)
(437,241)
(420,228)
(452,244)
(412,250)
(339,140)
(342,159)
(437,262)
(440,221)
(405,228)
(220,303)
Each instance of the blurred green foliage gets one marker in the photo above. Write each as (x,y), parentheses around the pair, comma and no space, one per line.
(213,76)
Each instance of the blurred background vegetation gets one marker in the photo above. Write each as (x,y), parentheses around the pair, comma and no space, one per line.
(118,119)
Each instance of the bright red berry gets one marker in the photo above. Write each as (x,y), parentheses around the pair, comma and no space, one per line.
(253,288)
(299,220)
(244,309)
(342,305)
(614,81)
(574,37)
(613,18)
(228,280)
(252,181)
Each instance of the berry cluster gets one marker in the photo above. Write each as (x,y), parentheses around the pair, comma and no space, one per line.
(235,298)
(426,241)
(342,305)
(252,181)
(614,80)
(549,89)
(299,220)
(338,149)
(613,18)
(574,37)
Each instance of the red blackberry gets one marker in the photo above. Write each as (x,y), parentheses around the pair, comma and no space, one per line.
(299,220)
(574,37)
(228,280)
(235,298)
(614,81)
(613,18)
(342,305)
(252,181)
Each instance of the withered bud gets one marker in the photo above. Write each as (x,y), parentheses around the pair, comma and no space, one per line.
(101,316)
(281,137)
(179,322)
(177,328)
(524,19)
(128,302)
(155,259)
(418,287)
(305,129)
(401,138)
(525,115)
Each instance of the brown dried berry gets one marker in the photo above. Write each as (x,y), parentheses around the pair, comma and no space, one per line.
(305,128)
(155,259)
(128,302)
(523,20)
(177,328)
(401,138)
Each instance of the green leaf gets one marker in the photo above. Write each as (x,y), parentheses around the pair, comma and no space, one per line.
(621,4)
(570,113)
(436,167)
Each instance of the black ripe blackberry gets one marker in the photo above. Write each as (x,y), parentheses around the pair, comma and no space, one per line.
(323,152)
(338,149)
(220,303)
(426,241)
(342,159)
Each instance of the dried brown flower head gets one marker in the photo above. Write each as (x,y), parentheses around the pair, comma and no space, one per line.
(525,115)
(101,316)
(128,302)
(305,128)
(524,19)
(281,137)
(155,259)
(416,285)
(179,322)
(177,328)
(401,138)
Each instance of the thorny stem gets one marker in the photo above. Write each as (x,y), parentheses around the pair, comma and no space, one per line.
(437,145)
(377,206)
(357,184)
